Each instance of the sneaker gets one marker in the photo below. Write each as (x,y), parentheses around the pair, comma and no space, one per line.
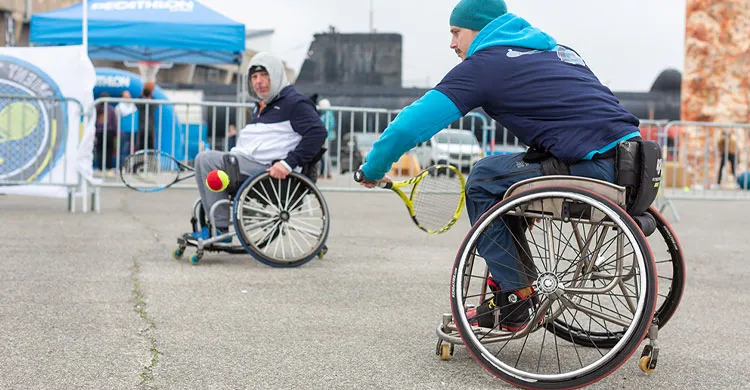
(205,234)
(512,308)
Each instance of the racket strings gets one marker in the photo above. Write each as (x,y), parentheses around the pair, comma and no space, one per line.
(148,170)
(437,199)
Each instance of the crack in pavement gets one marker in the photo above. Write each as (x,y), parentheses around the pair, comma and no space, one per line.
(141,308)
(149,332)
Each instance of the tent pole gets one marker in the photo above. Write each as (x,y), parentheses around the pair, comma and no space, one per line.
(85,32)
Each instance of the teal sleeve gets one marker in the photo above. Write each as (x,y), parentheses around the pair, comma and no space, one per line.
(416,123)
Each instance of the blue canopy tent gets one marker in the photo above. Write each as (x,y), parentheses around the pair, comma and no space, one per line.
(180,31)
(177,31)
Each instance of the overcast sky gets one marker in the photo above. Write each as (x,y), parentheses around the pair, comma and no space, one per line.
(626,43)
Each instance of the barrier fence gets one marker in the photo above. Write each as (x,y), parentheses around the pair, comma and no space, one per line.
(692,154)
(35,148)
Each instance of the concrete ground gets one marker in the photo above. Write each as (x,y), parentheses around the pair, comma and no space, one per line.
(94,301)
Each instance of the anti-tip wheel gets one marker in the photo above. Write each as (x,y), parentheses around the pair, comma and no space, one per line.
(195,259)
(323,252)
(177,253)
(643,363)
(446,351)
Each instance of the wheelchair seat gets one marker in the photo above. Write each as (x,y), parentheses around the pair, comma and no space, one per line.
(615,193)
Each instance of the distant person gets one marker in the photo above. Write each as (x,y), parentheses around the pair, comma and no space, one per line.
(231,137)
(329,121)
(105,139)
(727,151)
(127,115)
(283,134)
(147,137)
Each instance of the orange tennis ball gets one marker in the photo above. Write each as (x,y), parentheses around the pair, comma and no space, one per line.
(217,180)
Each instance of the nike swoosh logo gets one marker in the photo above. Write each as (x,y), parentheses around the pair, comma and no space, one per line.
(515,54)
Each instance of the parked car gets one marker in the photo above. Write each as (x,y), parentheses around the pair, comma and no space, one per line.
(365,142)
(459,148)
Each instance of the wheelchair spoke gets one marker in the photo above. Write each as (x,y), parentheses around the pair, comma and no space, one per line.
(299,247)
(257,210)
(298,199)
(575,347)
(517,241)
(268,234)
(265,197)
(528,229)
(257,224)
(522,272)
(305,211)
(305,233)
(304,227)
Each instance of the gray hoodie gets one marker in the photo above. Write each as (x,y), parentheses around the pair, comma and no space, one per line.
(276,73)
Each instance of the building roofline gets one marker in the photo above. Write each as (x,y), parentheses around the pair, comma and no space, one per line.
(258,33)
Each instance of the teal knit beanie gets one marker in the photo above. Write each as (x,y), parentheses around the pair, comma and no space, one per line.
(475,14)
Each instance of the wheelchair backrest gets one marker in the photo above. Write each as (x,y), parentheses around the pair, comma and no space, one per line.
(232,168)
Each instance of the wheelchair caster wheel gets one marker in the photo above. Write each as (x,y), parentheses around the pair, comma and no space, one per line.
(177,253)
(647,362)
(444,350)
(195,259)
(323,252)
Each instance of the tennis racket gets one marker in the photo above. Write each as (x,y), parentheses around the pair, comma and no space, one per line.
(153,170)
(436,198)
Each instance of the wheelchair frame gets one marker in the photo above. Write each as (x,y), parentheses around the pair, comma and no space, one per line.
(449,334)
(282,218)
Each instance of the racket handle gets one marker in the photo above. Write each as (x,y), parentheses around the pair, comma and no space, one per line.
(359,177)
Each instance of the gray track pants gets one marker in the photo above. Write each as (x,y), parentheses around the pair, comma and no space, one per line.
(209,160)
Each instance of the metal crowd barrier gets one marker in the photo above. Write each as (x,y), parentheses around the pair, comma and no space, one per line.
(29,143)
(700,165)
(690,165)
(182,129)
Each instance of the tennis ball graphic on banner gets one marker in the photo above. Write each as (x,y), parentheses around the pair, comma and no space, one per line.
(217,180)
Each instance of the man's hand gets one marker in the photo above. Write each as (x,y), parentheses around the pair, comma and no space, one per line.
(374,183)
(278,171)
(360,178)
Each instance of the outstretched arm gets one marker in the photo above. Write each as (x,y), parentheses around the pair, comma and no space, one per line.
(416,123)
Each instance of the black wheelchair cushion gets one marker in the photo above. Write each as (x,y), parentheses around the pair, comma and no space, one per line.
(638,167)
(646,222)
(232,168)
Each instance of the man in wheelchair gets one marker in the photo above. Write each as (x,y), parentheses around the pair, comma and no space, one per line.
(283,134)
(541,91)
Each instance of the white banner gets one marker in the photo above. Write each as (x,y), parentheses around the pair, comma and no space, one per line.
(41,137)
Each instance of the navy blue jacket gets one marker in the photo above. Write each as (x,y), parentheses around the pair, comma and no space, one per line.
(288,128)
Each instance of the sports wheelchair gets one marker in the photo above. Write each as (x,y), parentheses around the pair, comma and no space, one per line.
(596,291)
(281,223)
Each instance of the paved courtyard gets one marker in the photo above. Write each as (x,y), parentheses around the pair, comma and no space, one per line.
(94,301)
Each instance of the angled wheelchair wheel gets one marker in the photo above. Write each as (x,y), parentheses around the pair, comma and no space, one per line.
(583,262)
(670,270)
(281,223)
